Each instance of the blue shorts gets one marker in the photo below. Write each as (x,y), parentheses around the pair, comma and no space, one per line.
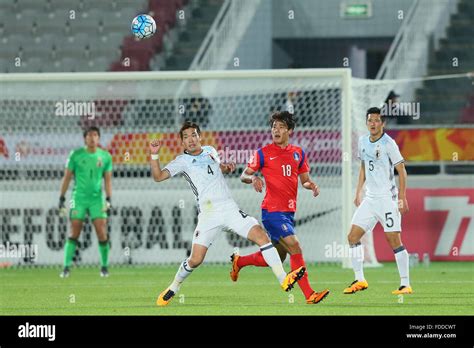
(278,224)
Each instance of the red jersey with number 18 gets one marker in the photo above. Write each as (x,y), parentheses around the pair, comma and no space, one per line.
(280,168)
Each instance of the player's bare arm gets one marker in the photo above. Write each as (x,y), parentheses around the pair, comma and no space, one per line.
(156,172)
(360,185)
(227,168)
(402,197)
(309,184)
(248,177)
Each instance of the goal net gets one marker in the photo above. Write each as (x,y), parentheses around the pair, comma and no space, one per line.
(43,115)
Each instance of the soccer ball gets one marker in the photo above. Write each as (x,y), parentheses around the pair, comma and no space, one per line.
(143,26)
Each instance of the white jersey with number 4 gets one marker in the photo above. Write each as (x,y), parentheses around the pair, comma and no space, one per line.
(217,209)
(205,178)
(380,157)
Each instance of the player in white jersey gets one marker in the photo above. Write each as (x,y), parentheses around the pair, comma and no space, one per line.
(201,168)
(379,155)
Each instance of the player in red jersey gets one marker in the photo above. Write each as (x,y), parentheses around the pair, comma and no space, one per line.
(281,164)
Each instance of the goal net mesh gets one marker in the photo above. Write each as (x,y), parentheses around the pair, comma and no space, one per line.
(42,121)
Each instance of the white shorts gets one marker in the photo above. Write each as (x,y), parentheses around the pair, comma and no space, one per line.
(381,209)
(211,223)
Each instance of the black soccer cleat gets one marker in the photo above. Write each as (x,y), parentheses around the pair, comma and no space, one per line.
(65,273)
(104,272)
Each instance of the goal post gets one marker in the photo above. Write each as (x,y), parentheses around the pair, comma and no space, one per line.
(42,120)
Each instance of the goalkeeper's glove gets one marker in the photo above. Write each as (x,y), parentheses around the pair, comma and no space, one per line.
(62,206)
(108,205)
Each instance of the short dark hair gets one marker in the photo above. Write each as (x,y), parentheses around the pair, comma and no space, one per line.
(91,129)
(374,110)
(285,117)
(186,125)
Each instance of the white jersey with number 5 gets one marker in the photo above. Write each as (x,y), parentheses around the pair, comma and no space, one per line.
(380,157)
(205,178)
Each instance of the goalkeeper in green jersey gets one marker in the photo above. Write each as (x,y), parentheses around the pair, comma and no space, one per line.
(88,165)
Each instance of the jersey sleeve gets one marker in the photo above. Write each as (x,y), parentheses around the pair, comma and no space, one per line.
(256,162)
(108,164)
(303,166)
(215,154)
(394,153)
(176,166)
(70,164)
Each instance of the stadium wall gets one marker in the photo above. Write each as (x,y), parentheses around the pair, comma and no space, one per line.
(325,20)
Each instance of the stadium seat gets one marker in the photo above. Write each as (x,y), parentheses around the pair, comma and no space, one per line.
(54,22)
(105,6)
(158,62)
(103,47)
(165,11)
(83,23)
(69,64)
(5,65)
(135,65)
(63,5)
(82,39)
(34,5)
(34,64)
(14,25)
(140,5)
(96,13)
(115,37)
(115,22)
(9,47)
(128,13)
(99,64)
(37,48)
(53,66)
(7,6)
(142,50)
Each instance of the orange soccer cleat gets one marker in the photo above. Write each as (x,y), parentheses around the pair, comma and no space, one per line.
(165,297)
(234,273)
(292,277)
(403,290)
(355,286)
(317,297)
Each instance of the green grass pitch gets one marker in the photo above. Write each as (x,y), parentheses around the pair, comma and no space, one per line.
(441,289)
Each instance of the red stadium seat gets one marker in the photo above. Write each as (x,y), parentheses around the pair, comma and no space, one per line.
(467,114)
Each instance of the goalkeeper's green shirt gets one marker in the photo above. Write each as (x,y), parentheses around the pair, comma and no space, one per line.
(88,169)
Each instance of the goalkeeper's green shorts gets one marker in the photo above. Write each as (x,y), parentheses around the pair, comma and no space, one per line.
(96,207)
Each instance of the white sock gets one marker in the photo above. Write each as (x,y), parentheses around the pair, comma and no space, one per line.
(401,256)
(184,271)
(357,259)
(270,254)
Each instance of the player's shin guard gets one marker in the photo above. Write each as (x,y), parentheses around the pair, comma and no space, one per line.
(357,259)
(255,259)
(184,271)
(69,250)
(104,248)
(401,256)
(272,259)
(296,261)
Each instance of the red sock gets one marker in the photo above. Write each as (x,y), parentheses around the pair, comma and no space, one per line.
(297,261)
(255,259)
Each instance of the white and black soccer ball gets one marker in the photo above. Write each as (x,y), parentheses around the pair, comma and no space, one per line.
(143,26)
